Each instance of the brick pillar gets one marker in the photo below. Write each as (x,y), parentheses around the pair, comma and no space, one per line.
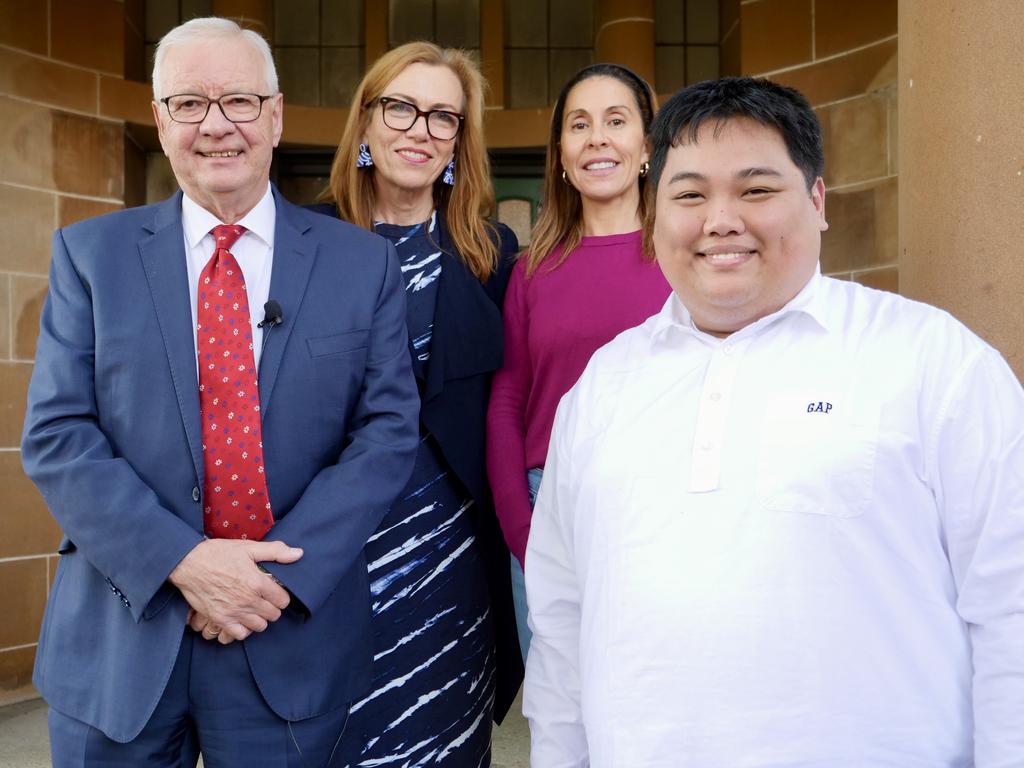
(625,35)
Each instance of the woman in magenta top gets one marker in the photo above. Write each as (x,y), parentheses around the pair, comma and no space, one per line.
(583,281)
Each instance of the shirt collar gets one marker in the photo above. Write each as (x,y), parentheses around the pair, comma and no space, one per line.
(197,221)
(811,301)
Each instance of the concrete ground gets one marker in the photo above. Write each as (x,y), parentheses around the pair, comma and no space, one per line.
(511,740)
(24,742)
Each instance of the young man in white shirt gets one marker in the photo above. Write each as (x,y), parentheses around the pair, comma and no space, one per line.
(782,521)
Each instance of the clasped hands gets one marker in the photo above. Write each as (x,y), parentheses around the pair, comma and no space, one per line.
(229,595)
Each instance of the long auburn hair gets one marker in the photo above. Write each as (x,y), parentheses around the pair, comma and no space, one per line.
(560,222)
(468,205)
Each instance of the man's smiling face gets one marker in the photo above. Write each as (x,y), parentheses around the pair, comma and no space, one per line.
(223,166)
(737,233)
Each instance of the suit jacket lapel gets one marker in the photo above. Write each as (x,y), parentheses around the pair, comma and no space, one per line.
(293,262)
(163,259)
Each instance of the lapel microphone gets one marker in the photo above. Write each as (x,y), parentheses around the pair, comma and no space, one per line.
(272,314)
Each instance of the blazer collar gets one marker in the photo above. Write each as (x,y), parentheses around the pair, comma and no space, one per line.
(467,332)
(167,213)
(294,255)
(163,261)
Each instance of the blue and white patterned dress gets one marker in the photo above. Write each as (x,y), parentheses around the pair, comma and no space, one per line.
(432,697)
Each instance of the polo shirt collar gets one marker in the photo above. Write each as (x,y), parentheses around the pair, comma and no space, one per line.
(811,302)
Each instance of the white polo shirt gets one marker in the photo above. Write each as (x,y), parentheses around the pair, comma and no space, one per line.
(801,545)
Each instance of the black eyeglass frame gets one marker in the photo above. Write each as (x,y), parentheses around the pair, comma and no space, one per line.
(425,114)
(210,102)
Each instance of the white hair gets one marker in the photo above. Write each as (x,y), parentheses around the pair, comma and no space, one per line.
(207,29)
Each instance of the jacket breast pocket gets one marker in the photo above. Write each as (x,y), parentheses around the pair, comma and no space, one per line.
(339,343)
(336,365)
(817,454)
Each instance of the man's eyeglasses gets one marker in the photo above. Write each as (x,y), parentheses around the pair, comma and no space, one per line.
(236,107)
(401,115)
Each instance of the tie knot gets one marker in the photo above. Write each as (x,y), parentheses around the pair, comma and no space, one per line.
(226,235)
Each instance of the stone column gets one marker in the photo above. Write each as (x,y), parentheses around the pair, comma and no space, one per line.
(257,15)
(962,164)
(492,50)
(375,31)
(624,34)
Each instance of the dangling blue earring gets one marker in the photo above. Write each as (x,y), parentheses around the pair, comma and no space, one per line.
(364,160)
(449,173)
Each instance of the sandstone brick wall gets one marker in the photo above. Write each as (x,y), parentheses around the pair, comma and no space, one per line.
(843,57)
(61,160)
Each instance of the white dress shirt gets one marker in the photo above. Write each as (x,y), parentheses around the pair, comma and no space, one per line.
(254,252)
(801,545)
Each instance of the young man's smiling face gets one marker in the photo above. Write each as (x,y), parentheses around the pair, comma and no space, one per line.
(737,233)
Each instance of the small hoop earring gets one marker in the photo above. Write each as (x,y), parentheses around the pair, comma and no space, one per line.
(645,168)
(565,178)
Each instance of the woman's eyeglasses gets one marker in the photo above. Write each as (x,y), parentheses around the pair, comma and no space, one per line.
(401,116)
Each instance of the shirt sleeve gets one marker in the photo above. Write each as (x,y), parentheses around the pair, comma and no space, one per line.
(506,421)
(552,696)
(978,461)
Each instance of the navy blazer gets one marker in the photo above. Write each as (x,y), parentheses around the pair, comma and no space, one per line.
(465,350)
(112,439)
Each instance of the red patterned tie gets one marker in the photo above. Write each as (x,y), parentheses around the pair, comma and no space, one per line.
(235,502)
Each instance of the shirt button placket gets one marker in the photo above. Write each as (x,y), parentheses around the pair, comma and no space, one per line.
(706,459)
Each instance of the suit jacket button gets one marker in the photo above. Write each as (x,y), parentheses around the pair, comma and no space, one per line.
(195,494)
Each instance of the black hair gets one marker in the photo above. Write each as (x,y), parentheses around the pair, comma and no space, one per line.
(717,101)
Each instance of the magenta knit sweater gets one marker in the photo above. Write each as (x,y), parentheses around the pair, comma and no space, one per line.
(554,321)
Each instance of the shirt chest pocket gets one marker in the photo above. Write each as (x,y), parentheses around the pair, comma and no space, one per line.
(817,454)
